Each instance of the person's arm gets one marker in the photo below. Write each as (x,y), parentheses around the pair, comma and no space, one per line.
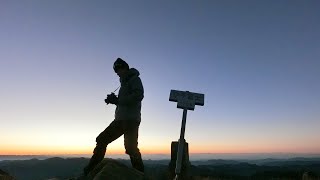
(136,94)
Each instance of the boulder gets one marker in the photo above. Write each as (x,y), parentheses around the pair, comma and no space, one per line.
(110,169)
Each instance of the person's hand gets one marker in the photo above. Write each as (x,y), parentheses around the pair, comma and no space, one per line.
(112,99)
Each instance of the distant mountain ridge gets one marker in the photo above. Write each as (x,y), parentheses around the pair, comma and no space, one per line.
(64,168)
(193,156)
(34,169)
(267,161)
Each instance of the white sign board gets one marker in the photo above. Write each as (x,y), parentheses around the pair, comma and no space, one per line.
(186,99)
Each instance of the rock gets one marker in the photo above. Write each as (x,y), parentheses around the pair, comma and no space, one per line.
(110,169)
(5,176)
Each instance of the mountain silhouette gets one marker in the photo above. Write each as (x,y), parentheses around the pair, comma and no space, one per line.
(71,169)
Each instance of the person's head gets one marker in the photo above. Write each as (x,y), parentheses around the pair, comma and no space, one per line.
(120,67)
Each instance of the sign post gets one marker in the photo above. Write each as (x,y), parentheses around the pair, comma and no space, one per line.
(185,100)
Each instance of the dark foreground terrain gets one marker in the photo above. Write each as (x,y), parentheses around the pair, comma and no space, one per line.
(265,169)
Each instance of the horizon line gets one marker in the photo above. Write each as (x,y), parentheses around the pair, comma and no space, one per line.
(227,153)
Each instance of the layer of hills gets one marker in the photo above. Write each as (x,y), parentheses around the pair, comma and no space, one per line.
(69,168)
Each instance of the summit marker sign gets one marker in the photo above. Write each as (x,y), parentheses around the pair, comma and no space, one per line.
(185,100)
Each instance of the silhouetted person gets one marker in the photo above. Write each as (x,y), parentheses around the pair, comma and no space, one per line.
(127,117)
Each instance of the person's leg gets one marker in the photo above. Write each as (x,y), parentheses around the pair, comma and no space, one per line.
(131,144)
(111,133)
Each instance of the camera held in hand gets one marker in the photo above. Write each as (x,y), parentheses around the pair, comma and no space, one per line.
(111,99)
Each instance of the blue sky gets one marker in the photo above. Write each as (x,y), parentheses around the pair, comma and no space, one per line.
(257,62)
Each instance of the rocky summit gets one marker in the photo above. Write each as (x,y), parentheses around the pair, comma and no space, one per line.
(110,169)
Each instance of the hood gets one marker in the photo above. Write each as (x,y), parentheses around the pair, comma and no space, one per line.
(131,73)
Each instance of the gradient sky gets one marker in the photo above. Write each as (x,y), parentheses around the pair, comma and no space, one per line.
(257,62)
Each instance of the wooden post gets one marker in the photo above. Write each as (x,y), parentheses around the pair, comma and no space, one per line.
(186,101)
(185,165)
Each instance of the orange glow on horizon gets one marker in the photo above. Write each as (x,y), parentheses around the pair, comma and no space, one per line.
(71,151)
(32,150)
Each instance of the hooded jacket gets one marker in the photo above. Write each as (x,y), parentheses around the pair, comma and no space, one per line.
(130,96)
